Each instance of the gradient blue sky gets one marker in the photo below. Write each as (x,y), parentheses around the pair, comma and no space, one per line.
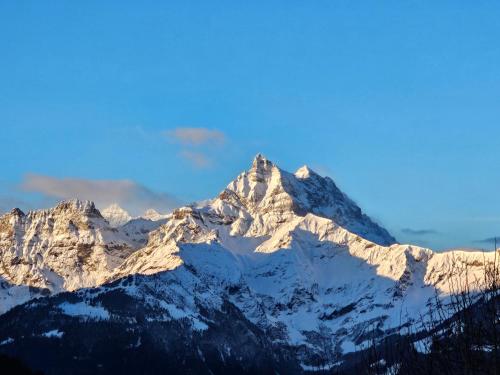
(397,101)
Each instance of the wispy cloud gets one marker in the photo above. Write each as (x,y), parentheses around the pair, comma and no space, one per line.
(198,159)
(490,240)
(196,144)
(130,195)
(195,136)
(419,232)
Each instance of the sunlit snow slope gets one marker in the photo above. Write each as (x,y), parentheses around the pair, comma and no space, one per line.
(293,253)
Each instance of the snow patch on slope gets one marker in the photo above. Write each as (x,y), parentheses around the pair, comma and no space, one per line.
(84,310)
(55,333)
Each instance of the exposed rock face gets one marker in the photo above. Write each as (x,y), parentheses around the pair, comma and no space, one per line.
(68,247)
(292,257)
(272,196)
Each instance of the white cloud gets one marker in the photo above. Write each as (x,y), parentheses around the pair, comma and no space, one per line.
(196,144)
(130,195)
(195,136)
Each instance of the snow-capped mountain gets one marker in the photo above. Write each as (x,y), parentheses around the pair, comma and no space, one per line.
(115,215)
(153,215)
(65,248)
(272,196)
(288,257)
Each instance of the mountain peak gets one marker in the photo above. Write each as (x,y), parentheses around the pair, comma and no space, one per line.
(76,205)
(253,185)
(17,212)
(261,164)
(305,172)
(114,207)
(259,157)
(274,196)
(152,214)
(115,215)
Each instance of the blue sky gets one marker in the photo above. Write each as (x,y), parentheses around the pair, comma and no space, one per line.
(397,101)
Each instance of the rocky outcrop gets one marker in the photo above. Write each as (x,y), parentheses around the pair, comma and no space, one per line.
(65,248)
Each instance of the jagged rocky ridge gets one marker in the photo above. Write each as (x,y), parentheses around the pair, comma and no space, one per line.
(290,256)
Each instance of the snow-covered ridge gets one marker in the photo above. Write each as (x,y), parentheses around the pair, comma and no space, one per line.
(63,248)
(117,216)
(291,251)
(272,196)
(153,215)
(67,247)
